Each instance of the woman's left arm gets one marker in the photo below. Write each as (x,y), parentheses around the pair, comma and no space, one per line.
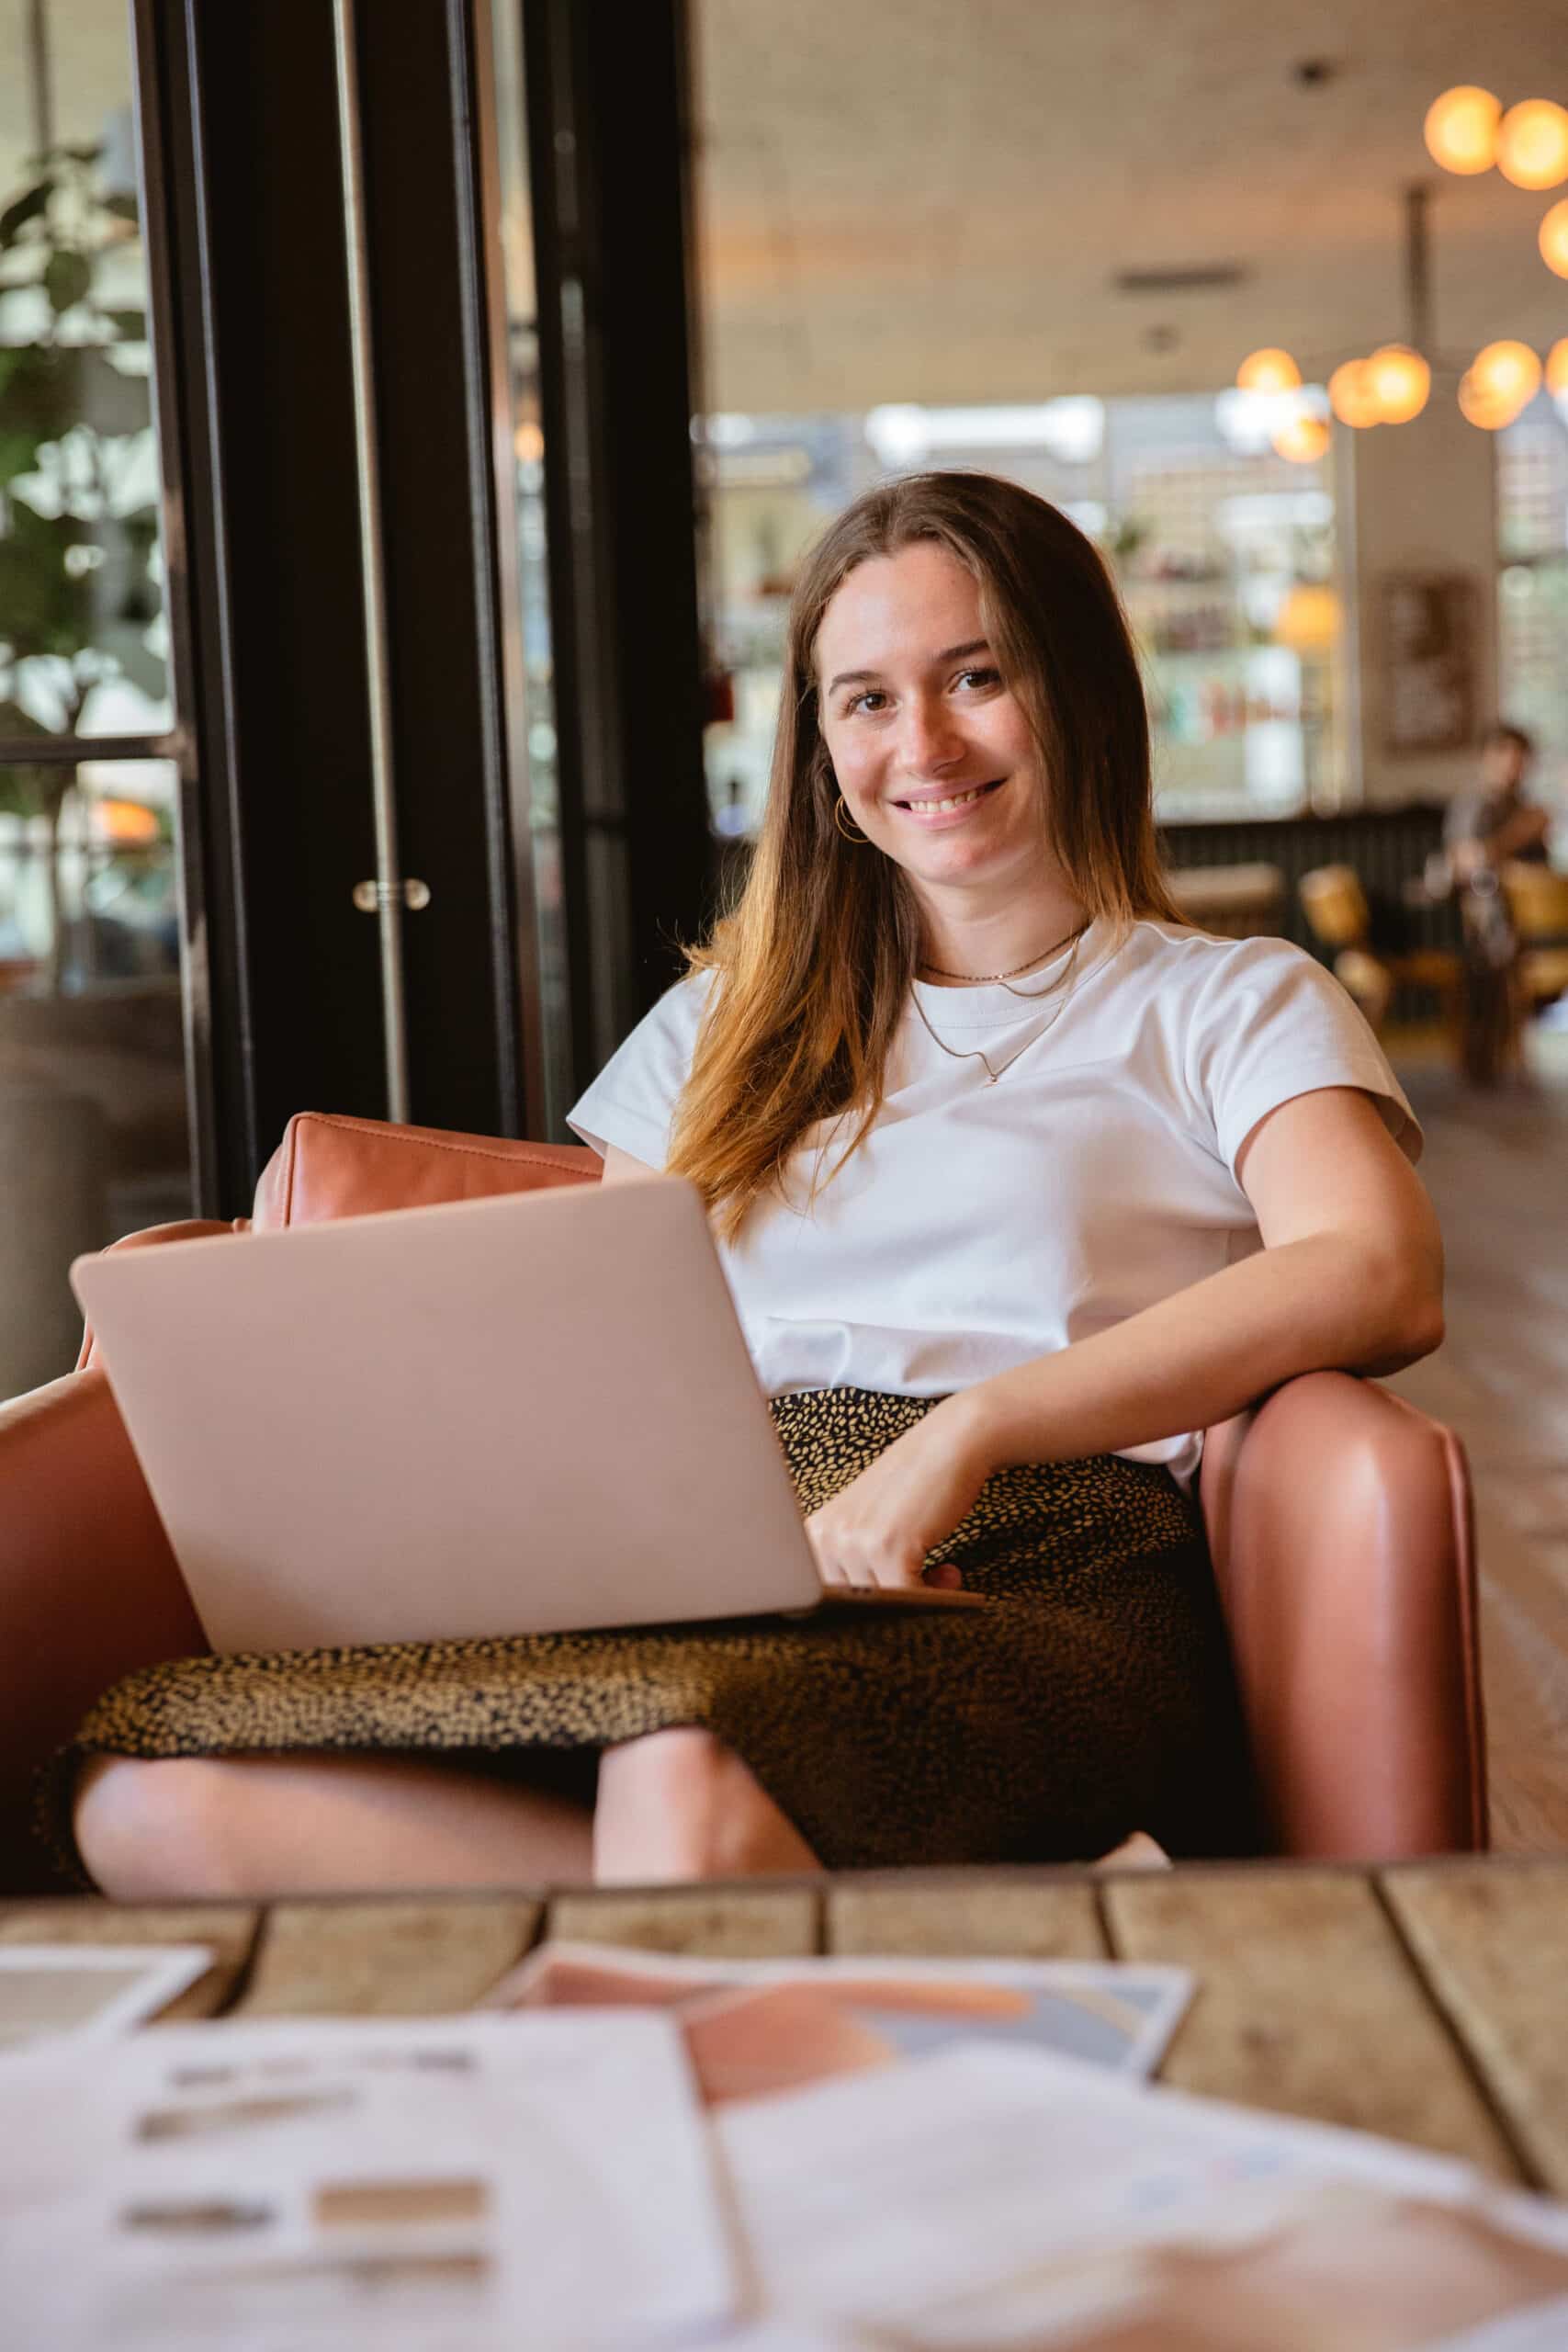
(1350,1277)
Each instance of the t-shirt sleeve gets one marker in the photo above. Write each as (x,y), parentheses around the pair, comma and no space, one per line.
(632,1102)
(1268,1023)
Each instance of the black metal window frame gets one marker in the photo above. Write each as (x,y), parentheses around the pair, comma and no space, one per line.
(255,411)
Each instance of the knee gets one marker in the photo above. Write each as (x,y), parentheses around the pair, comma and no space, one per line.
(683,1805)
(152,1831)
(661,1806)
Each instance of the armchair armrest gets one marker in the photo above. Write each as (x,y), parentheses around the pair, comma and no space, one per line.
(88,1587)
(190,1229)
(1341,1526)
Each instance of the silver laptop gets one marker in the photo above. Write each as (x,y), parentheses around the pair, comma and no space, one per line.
(532,1413)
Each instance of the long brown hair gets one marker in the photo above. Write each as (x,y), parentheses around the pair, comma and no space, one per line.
(813,966)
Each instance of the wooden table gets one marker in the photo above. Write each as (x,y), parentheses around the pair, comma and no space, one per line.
(1427,2002)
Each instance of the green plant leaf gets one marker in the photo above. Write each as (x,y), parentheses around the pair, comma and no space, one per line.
(15,720)
(40,388)
(35,792)
(42,608)
(18,793)
(25,791)
(29,206)
(120,206)
(129,325)
(19,454)
(67,278)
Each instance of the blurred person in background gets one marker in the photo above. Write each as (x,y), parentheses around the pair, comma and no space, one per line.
(1487,827)
(1493,822)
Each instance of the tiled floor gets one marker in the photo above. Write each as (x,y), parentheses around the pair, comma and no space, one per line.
(1497,1167)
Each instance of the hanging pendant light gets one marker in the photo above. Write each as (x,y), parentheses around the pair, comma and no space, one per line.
(1393,385)
(1461,129)
(1269,370)
(1309,619)
(1554,238)
(1507,371)
(1350,395)
(1482,407)
(1532,143)
(1398,381)
(1303,438)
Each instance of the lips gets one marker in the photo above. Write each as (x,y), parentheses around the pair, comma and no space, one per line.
(969,796)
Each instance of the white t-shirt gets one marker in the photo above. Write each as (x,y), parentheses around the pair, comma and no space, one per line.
(979,1226)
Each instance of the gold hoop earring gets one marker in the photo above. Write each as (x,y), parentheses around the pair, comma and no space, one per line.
(840,810)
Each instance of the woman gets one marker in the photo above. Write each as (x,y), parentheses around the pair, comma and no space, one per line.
(1020,1184)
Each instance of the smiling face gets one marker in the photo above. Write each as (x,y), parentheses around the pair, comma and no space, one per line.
(930,749)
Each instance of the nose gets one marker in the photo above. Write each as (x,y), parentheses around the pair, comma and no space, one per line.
(929,739)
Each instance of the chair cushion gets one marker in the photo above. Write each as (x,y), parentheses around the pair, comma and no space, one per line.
(329,1166)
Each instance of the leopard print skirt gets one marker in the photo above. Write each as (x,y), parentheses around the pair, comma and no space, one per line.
(1093,1698)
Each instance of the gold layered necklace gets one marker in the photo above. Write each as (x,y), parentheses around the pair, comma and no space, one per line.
(977,980)
(1030,996)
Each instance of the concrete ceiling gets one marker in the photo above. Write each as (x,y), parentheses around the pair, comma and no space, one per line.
(929,199)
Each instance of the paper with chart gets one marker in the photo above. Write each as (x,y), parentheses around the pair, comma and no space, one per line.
(755,2029)
(473,2182)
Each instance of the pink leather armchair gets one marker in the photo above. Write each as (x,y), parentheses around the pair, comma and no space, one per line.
(1338,1518)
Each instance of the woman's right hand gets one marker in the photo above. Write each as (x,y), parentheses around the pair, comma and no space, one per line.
(887,1521)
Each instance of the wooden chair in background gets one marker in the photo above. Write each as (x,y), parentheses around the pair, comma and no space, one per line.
(1336,908)
(1536,900)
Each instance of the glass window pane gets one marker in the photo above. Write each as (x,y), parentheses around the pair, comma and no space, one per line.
(93,1125)
(531,664)
(1532,603)
(93,1128)
(83,636)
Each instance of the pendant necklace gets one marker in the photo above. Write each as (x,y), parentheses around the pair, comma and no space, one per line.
(973,1054)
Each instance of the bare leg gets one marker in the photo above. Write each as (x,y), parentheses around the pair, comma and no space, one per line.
(681,1805)
(256,1826)
(678,1804)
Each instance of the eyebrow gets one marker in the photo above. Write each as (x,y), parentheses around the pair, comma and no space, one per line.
(950,653)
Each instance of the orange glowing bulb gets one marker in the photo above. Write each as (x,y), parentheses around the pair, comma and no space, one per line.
(1507,371)
(1269,370)
(1350,395)
(1303,439)
(1557,368)
(128,820)
(1308,620)
(1554,238)
(1482,407)
(1532,143)
(1398,380)
(1461,128)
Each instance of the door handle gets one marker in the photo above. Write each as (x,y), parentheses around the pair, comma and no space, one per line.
(371,896)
